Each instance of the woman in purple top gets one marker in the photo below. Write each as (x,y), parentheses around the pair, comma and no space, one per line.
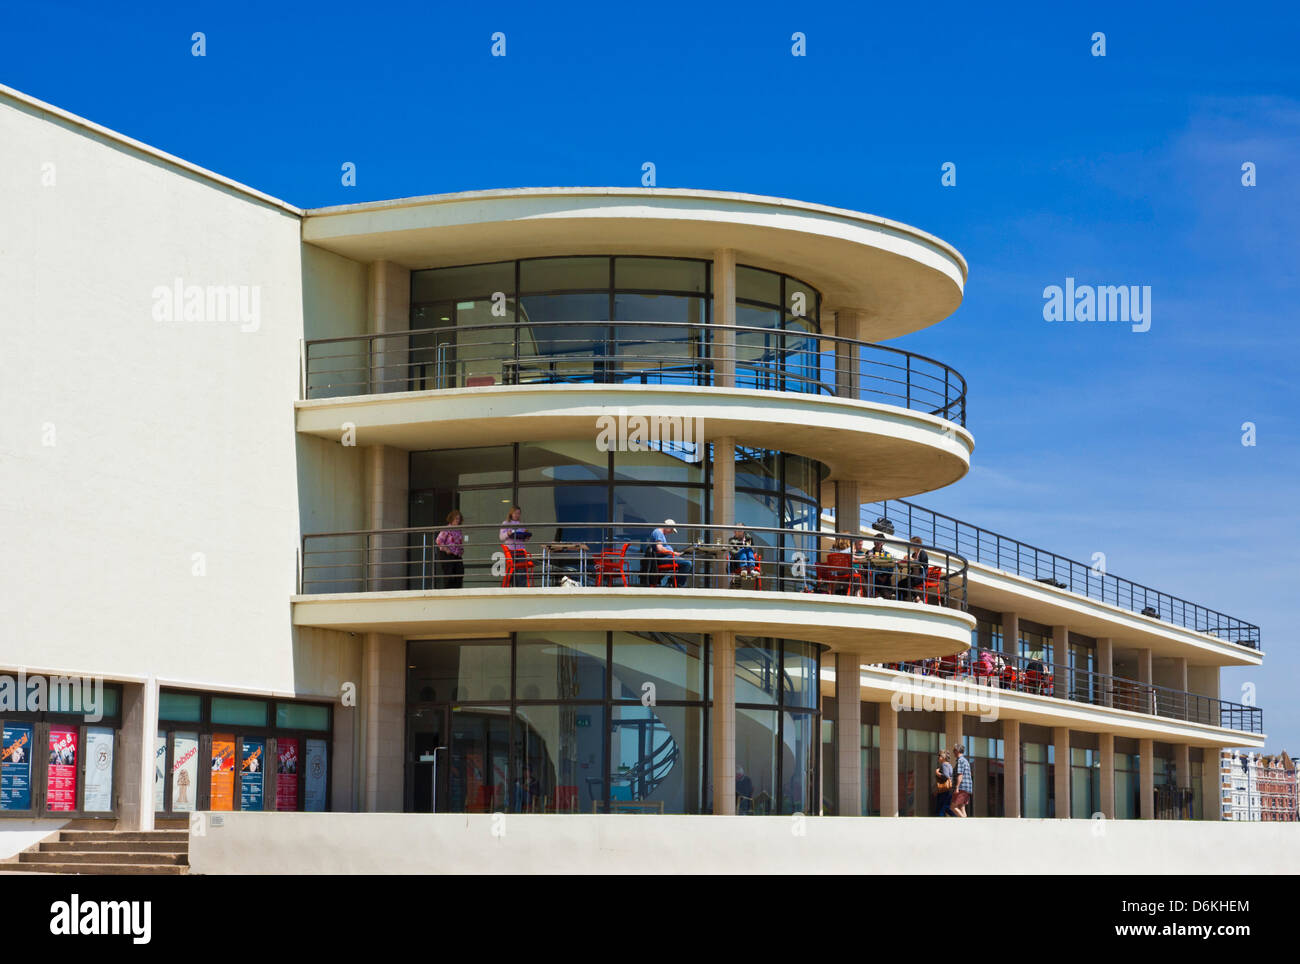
(451,553)
(513,535)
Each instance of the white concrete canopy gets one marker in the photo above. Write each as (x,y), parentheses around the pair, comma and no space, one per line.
(898,279)
(875,629)
(892,451)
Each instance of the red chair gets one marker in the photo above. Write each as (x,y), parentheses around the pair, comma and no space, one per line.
(566,799)
(1010,678)
(610,563)
(949,666)
(758,570)
(517,560)
(667,562)
(933,585)
(838,572)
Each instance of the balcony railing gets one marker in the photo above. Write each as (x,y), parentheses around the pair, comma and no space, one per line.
(625,554)
(1011,555)
(640,353)
(1026,674)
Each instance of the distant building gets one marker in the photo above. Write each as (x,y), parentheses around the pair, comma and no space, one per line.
(1258,786)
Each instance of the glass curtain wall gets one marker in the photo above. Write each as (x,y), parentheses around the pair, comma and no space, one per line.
(592,318)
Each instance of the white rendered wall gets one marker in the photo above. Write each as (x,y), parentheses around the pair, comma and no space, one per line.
(169,438)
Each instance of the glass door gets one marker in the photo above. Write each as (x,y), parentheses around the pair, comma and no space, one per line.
(427,752)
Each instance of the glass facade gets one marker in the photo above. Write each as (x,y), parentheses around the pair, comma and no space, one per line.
(572,722)
(575,488)
(607,319)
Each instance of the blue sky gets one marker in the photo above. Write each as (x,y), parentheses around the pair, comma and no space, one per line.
(1117,170)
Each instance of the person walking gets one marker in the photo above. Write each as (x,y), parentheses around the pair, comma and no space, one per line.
(964,790)
(943,785)
(451,553)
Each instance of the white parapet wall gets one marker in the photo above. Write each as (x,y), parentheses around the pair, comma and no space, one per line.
(352,843)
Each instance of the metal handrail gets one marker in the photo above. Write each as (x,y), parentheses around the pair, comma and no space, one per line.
(1028,674)
(1010,555)
(612,352)
(787,560)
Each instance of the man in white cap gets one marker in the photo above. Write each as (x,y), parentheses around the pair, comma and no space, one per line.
(662,552)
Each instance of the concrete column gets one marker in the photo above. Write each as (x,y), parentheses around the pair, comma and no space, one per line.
(848,507)
(1011,768)
(345,780)
(1215,772)
(723,719)
(1185,707)
(383,677)
(1061,773)
(847,354)
(1147,779)
(724,314)
(1183,765)
(1145,672)
(389,307)
(952,731)
(1061,661)
(1011,634)
(139,730)
(724,486)
(848,732)
(387,488)
(1106,668)
(1106,750)
(888,761)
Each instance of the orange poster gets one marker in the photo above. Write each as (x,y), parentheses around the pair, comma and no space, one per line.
(223,771)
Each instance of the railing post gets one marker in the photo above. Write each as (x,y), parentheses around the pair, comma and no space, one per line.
(370,344)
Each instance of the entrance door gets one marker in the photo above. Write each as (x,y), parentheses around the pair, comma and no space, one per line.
(426,738)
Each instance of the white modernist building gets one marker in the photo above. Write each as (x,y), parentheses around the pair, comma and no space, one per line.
(258,472)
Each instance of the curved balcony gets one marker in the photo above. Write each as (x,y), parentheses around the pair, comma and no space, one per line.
(610,575)
(890,418)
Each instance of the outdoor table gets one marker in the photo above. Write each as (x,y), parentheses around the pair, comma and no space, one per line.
(713,552)
(550,549)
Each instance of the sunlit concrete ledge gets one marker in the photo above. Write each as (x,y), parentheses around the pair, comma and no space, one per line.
(876,629)
(893,451)
(387,843)
(882,685)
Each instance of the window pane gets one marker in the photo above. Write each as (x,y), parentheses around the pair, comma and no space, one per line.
(800,677)
(755,761)
(667,462)
(234,712)
(479,759)
(184,707)
(451,469)
(799,746)
(663,274)
(451,284)
(656,756)
(302,716)
(562,462)
(671,662)
(753,284)
(443,671)
(756,670)
(558,756)
(562,274)
(562,665)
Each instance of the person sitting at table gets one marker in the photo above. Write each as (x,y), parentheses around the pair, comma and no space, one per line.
(744,562)
(881,566)
(662,551)
(917,563)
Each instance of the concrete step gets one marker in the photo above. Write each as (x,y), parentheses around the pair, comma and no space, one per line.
(125,835)
(74,868)
(101,857)
(115,846)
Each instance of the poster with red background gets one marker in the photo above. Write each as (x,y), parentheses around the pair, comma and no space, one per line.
(223,772)
(61,784)
(286,783)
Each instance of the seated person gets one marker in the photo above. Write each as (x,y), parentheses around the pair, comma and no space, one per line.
(881,566)
(660,550)
(917,563)
(744,562)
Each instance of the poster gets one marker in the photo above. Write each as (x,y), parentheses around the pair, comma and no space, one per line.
(159,772)
(98,794)
(251,775)
(185,770)
(61,774)
(286,768)
(314,793)
(223,772)
(16,767)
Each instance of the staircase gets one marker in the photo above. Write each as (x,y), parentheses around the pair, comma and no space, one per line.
(106,852)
